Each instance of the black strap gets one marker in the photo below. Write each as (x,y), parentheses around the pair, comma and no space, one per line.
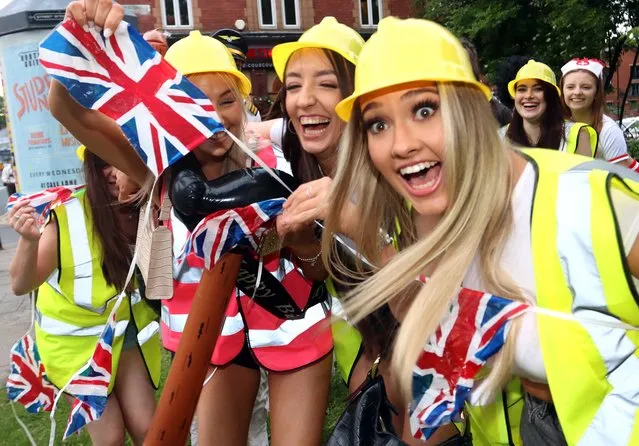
(271,294)
(504,400)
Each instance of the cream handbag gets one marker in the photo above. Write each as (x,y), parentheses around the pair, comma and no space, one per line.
(155,252)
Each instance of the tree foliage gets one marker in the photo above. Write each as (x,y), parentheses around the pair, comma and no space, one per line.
(550,31)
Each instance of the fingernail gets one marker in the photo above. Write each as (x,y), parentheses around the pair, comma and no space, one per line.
(91,24)
(85,27)
(108,33)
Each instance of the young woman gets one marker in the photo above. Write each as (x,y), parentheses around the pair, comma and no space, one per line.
(583,101)
(79,264)
(296,352)
(538,117)
(424,162)
(317,72)
(301,362)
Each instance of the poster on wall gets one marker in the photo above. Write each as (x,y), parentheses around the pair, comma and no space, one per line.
(44,150)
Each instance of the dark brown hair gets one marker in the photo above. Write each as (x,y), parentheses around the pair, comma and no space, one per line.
(116,252)
(474,59)
(304,165)
(598,104)
(552,123)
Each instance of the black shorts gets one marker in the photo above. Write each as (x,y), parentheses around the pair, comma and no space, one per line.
(244,358)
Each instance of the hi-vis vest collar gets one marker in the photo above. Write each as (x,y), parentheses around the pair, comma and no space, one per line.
(580,268)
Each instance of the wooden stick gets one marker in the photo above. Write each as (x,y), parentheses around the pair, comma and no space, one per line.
(174,414)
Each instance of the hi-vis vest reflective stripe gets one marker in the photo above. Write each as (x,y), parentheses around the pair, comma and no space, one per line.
(68,324)
(580,268)
(279,336)
(572,138)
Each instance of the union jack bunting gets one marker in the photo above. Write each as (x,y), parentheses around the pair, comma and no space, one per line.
(473,330)
(162,114)
(222,231)
(90,384)
(44,200)
(28,383)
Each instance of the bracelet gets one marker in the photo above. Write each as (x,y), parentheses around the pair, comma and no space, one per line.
(311,260)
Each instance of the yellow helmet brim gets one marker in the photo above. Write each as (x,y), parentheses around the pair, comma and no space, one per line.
(344,108)
(283,52)
(80,152)
(513,84)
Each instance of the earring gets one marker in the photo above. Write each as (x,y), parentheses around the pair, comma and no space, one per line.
(290,128)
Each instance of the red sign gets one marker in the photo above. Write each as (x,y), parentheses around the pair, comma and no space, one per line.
(259,53)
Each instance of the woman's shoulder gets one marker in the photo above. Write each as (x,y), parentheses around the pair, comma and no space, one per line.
(610,126)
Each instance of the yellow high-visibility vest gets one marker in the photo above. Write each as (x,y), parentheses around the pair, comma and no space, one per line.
(580,269)
(74,303)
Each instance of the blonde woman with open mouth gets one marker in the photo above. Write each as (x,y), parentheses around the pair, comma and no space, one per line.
(423,160)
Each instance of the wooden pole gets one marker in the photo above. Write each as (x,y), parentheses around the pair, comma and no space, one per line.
(174,414)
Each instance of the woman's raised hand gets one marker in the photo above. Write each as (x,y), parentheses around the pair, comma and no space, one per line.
(307,203)
(103,14)
(24,220)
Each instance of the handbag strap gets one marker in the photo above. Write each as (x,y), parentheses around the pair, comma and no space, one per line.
(165,206)
(372,373)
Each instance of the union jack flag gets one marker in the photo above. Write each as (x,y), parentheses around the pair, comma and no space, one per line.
(90,384)
(162,114)
(44,200)
(28,383)
(473,330)
(222,231)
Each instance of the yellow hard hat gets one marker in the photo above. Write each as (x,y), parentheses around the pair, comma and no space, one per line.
(328,34)
(534,70)
(403,51)
(80,152)
(202,54)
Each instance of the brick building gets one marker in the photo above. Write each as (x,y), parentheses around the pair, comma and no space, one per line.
(625,72)
(265,23)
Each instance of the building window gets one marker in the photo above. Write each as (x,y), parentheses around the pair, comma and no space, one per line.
(177,13)
(634,90)
(370,12)
(634,72)
(291,13)
(266,9)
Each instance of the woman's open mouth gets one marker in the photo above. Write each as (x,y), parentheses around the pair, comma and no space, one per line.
(314,125)
(422,178)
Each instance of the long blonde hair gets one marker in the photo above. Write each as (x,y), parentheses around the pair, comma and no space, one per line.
(478,177)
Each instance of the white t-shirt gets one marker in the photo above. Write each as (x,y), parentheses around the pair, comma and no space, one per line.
(7,174)
(277,131)
(612,143)
(517,261)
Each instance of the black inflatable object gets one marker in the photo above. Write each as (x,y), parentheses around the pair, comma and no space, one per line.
(194,198)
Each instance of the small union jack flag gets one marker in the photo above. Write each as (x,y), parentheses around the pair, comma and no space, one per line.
(44,200)
(162,114)
(28,383)
(473,330)
(90,384)
(222,231)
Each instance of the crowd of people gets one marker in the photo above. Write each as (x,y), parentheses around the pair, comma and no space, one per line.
(413,161)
